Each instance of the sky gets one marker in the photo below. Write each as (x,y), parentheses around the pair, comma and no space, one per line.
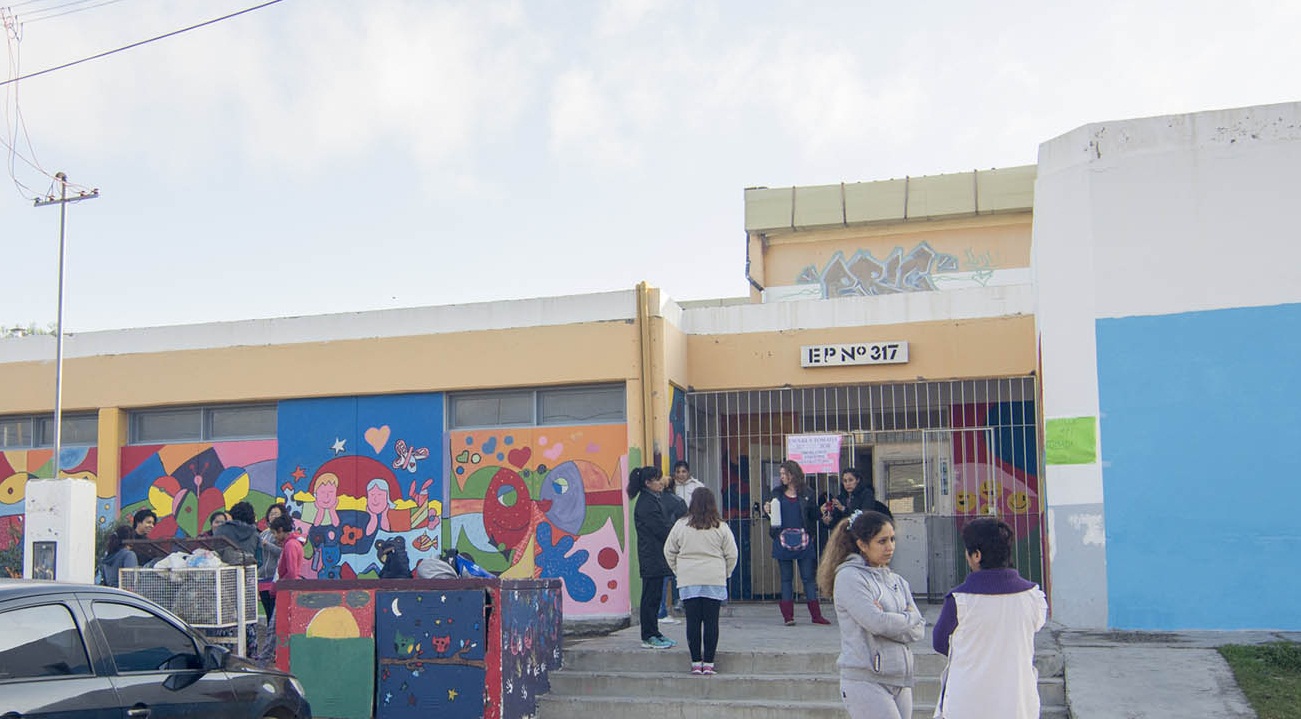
(321,156)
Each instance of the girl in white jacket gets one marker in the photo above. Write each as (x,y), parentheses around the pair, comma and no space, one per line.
(877,617)
(701,551)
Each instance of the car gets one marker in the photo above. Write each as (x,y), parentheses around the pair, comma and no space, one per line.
(69,651)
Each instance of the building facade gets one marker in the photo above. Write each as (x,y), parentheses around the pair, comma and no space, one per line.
(1024,342)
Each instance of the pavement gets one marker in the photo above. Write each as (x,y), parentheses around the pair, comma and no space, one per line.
(1155,675)
(1109,674)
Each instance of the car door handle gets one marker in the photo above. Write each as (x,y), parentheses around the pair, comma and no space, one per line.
(138,710)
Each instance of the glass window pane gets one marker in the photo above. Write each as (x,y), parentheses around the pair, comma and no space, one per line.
(15,432)
(492,410)
(41,641)
(144,642)
(588,405)
(242,422)
(168,425)
(80,430)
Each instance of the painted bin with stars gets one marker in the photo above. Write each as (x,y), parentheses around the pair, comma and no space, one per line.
(430,651)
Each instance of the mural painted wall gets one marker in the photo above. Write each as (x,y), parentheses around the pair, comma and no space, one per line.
(355,470)
(326,638)
(431,650)
(921,269)
(185,483)
(18,466)
(545,502)
(996,471)
(530,647)
(677,425)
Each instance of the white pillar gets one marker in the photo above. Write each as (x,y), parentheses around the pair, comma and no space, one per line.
(61,518)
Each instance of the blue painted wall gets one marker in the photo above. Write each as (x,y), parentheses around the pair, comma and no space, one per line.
(1201,425)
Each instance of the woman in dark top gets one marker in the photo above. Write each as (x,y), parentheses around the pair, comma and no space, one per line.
(856,494)
(651,517)
(792,543)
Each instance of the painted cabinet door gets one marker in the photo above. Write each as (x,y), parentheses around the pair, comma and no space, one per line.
(430,649)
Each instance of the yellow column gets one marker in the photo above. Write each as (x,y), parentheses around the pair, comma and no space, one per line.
(112,435)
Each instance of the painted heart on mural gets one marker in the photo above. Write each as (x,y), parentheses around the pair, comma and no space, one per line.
(519,457)
(464,456)
(377,437)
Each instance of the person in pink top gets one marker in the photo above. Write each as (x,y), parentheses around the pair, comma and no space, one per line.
(289,567)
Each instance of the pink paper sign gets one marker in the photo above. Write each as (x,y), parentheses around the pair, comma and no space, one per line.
(814,453)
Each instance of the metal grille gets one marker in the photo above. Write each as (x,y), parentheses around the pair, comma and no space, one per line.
(207,598)
(937,453)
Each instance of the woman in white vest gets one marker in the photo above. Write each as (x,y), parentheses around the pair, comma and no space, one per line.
(987,628)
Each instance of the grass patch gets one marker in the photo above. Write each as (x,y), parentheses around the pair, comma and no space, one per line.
(1270,676)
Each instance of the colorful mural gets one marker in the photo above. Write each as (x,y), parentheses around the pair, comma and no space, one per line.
(545,502)
(355,470)
(185,483)
(326,638)
(530,647)
(996,471)
(430,648)
(677,425)
(18,466)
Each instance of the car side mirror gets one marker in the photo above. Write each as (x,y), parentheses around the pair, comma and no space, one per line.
(214,657)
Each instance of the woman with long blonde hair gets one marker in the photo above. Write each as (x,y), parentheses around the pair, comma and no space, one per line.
(877,617)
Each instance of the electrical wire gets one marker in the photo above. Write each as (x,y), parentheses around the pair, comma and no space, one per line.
(56,7)
(27,21)
(142,42)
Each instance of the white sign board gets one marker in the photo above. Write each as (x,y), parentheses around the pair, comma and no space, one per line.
(814,453)
(853,353)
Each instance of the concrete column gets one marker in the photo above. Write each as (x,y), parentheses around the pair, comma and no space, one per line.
(60,521)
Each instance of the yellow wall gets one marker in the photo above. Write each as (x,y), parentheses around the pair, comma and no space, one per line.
(996,347)
(592,352)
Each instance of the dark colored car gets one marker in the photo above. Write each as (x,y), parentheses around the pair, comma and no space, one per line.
(74,651)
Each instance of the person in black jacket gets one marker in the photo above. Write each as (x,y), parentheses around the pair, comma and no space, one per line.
(651,518)
(792,540)
(856,494)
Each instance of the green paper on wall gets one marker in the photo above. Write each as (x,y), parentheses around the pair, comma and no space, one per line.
(1071,440)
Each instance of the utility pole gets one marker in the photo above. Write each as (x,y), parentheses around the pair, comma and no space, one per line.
(62,201)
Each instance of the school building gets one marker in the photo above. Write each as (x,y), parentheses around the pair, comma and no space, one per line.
(1062,345)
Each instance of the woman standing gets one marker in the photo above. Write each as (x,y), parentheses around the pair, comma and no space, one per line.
(652,521)
(266,571)
(987,629)
(701,551)
(676,507)
(792,540)
(877,616)
(856,495)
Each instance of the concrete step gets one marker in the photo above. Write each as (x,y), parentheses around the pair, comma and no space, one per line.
(562,707)
(788,687)
(636,659)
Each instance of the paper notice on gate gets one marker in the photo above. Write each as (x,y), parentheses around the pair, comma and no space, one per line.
(814,453)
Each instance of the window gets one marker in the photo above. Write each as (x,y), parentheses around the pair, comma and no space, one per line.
(144,642)
(31,432)
(563,405)
(587,405)
(41,641)
(200,424)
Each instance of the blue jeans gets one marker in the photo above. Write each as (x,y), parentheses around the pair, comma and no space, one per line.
(808,573)
(670,596)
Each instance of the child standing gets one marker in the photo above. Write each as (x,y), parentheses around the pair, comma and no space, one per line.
(701,551)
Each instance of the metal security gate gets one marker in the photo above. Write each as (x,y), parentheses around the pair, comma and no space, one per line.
(937,454)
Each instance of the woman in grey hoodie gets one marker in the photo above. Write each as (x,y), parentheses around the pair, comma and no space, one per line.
(877,617)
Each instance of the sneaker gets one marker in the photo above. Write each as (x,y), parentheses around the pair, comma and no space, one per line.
(697,668)
(707,668)
(668,643)
(669,620)
(657,643)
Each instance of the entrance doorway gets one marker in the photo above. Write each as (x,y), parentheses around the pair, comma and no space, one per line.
(936,453)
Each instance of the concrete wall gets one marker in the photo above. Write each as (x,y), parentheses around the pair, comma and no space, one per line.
(1169,285)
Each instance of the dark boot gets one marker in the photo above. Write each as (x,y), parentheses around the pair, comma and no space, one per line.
(815,611)
(788,611)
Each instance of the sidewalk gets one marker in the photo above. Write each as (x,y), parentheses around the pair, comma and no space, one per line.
(1155,675)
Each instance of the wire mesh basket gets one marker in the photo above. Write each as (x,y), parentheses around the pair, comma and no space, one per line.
(205,597)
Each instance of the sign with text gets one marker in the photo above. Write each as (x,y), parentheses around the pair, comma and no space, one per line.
(835,355)
(814,452)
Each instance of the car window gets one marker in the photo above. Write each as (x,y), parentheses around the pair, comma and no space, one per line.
(144,642)
(41,641)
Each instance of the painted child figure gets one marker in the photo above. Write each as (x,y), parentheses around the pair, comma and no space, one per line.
(987,628)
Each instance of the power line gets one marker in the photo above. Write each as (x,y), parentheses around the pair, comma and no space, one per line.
(27,21)
(142,42)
